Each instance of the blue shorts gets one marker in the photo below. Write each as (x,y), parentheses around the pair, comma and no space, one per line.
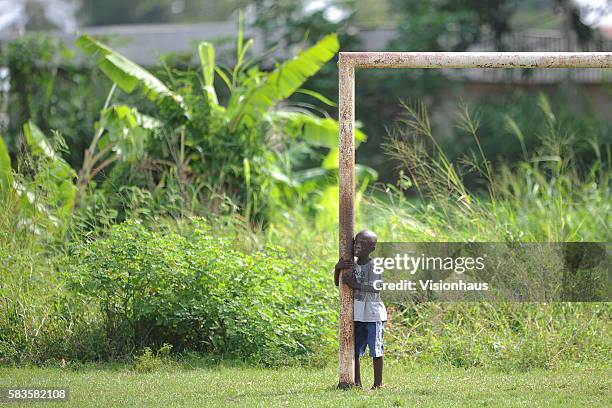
(369,334)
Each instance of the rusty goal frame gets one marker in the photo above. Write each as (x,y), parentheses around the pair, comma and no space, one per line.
(347,63)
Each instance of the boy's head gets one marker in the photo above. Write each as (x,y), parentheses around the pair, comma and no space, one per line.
(365,243)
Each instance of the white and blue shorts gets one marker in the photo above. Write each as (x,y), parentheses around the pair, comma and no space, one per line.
(369,334)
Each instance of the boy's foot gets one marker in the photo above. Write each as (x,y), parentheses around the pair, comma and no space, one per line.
(376,387)
(358,385)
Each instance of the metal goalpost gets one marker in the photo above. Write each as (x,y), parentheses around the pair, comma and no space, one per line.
(347,63)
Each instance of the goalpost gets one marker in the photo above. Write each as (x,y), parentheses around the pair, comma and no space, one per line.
(347,63)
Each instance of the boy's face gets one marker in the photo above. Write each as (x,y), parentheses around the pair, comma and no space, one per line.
(363,245)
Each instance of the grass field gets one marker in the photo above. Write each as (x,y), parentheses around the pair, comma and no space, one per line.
(220,385)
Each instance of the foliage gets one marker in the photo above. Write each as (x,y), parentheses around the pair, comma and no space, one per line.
(6,171)
(47,87)
(447,25)
(508,336)
(32,79)
(46,197)
(55,177)
(287,23)
(196,293)
(502,122)
(121,134)
(157,11)
(35,323)
(82,288)
(226,150)
(126,74)
(545,197)
(451,26)
(149,361)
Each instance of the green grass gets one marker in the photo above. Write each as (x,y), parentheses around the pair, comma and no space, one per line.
(456,354)
(220,385)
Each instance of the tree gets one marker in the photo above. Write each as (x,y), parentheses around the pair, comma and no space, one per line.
(37,14)
(288,22)
(446,25)
(156,11)
(254,139)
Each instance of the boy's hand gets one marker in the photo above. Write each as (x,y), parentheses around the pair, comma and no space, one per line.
(350,281)
(344,264)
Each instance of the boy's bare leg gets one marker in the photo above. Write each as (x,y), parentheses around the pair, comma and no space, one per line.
(357,372)
(378,371)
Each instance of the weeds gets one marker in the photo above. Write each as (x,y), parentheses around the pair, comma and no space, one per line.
(148,361)
(545,197)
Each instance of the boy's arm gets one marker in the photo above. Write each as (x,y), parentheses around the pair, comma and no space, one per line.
(342,264)
(368,285)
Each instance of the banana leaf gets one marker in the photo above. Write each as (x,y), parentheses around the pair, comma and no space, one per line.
(6,171)
(127,74)
(57,179)
(282,82)
(207,60)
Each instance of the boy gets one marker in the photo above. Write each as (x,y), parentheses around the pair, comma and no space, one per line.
(370,313)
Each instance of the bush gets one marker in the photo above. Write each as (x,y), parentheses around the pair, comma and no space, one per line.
(39,323)
(149,361)
(197,293)
(507,336)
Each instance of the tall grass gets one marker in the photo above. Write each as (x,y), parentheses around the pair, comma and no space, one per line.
(545,197)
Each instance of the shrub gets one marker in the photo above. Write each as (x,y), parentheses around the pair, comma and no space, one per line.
(149,361)
(39,323)
(197,293)
(508,336)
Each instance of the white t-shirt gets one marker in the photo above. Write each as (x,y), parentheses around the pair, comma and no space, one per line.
(368,307)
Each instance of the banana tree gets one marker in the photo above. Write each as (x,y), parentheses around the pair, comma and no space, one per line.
(121,134)
(231,144)
(49,196)
(6,170)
